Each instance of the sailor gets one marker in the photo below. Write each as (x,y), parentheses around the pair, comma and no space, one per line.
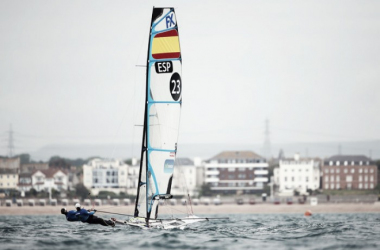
(89,217)
(70,215)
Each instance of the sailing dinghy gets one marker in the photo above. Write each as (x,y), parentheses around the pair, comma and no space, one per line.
(161,124)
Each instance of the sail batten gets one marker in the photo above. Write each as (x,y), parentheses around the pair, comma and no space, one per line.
(162,113)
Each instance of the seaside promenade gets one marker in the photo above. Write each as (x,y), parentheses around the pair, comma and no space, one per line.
(210,209)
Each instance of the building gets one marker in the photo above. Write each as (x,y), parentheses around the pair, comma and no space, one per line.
(10,163)
(32,167)
(298,175)
(236,172)
(8,178)
(133,177)
(184,177)
(46,180)
(349,172)
(105,175)
(25,182)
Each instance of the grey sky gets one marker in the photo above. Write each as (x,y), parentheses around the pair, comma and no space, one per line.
(68,75)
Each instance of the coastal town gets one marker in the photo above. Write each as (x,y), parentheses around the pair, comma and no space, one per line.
(229,178)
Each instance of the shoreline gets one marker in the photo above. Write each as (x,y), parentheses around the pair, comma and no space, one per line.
(210,209)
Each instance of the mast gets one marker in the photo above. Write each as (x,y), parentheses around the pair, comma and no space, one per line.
(143,143)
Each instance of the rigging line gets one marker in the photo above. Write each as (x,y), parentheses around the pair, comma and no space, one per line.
(118,130)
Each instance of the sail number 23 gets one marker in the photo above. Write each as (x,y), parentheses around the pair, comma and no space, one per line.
(175,86)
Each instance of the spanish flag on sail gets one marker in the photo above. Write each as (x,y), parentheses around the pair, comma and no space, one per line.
(166,45)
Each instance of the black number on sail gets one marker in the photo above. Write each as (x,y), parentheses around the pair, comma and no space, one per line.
(175,86)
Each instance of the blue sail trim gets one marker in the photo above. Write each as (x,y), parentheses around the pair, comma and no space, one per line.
(171,102)
(152,60)
(154,25)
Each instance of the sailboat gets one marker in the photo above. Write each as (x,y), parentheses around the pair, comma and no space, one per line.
(163,103)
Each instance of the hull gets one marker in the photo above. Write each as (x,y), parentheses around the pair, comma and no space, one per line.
(161,224)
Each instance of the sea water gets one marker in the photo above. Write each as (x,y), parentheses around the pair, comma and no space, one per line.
(257,231)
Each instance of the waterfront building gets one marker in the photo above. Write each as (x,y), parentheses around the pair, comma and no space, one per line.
(297,174)
(46,180)
(105,175)
(349,172)
(184,177)
(236,172)
(8,178)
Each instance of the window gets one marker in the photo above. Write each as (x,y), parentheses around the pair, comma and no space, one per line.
(331,178)
(337,163)
(365,170)
(307,179)
(345,170)
(349,178)
(360,170)
(292,178)
(332,185)
(371,170)
(360,185)
(332,170)
(327,170)
(242,176)
(327,186)
(349,185)
(366,185)
(352,170)
(360,178)
(241,169)
(371,177)
(337,178)
(360,163)
(352,163)
(231,169)
(330,163)
(366,178)
(326,178)
(345,163)
(286,178)
(371,185)
(337,170)
(337,186)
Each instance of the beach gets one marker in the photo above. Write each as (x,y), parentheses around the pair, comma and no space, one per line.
(210,209)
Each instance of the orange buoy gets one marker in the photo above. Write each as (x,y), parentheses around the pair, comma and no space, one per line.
(308,213)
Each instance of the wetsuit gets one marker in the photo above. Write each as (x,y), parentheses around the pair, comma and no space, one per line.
(72,216)
(89,217)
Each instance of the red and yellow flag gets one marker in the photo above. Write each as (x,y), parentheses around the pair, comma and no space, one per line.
(166,45)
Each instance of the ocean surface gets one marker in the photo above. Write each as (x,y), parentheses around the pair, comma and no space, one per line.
(258,231)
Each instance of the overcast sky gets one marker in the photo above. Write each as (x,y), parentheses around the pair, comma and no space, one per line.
(312,68)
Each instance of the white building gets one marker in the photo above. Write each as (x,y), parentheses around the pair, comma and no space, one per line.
(49,179)
(236,172)
(105,175)
(133,177)
(297,175)
(184,177)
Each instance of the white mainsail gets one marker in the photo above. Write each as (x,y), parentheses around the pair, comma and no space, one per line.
(162,113)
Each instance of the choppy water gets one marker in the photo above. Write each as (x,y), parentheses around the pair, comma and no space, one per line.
(279,231)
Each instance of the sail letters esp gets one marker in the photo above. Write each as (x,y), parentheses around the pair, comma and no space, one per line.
(164,67)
